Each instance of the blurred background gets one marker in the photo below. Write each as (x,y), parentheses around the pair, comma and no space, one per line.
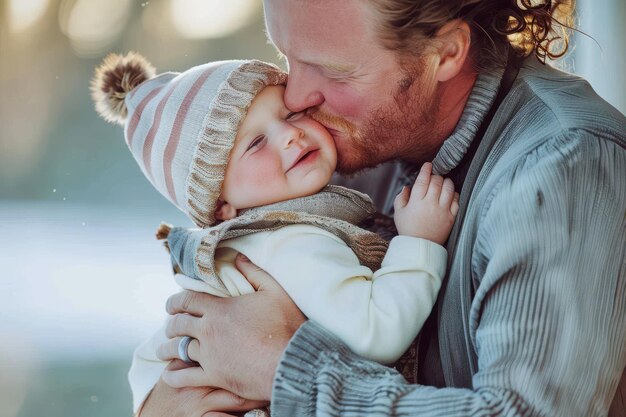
(83,280)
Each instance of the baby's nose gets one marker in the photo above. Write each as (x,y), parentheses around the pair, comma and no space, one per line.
(293,135)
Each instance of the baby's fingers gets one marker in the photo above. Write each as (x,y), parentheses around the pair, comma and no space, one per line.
(454,207)
(447,193)
(402,199)
(422,181)
(434,188)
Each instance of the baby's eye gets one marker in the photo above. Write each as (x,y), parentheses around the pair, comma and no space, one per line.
(292,116)
(258,141)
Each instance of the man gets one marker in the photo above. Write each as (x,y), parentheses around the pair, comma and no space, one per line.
(532,319)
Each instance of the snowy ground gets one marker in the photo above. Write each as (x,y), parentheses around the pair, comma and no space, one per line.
(78,284)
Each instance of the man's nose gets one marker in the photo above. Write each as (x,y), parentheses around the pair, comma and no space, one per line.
(302,91)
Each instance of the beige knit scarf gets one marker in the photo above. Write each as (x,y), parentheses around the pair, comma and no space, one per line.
(335,209)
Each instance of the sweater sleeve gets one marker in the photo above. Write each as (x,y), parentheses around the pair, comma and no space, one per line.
(549,317)
(376,313)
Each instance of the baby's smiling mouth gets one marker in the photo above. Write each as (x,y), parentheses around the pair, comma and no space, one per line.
(306,154)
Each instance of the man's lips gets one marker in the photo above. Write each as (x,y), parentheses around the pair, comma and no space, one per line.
(337,135)
(330,123)
(303,155)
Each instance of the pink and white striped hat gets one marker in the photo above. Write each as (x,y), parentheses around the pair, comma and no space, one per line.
(181,127)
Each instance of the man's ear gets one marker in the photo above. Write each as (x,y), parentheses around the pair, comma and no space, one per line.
(453,40)
(224,211)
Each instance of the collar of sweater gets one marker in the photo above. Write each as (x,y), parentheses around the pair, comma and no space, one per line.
(478,104)
(456,145)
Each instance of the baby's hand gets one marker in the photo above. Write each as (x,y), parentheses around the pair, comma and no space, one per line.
(428,210)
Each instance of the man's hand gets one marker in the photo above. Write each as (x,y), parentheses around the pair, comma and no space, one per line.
(166,401)
(237,341)
(428,210)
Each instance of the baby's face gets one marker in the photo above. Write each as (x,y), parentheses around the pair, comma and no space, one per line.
(278,155)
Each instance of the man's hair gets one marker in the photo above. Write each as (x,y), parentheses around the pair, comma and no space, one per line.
(529,26)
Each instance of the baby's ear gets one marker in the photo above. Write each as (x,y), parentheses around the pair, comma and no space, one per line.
(225,211)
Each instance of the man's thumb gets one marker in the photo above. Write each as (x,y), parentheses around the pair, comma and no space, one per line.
(257,277)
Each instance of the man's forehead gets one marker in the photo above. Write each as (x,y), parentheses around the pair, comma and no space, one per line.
(330,21)
(312,37)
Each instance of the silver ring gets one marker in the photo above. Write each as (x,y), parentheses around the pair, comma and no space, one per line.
(183,349)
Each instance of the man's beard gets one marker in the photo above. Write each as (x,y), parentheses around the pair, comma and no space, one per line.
(397,130)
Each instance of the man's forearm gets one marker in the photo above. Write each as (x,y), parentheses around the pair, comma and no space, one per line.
(319,376)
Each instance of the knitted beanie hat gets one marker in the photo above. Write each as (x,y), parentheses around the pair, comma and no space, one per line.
(181,127)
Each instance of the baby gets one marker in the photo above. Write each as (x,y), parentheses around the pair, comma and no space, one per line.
(218,141)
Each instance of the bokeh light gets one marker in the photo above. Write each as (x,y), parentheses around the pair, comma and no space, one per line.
(23,14)
(93,25)
(199,19)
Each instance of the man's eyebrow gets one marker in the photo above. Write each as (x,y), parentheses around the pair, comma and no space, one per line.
(334,67)
(344,69)
(337,67)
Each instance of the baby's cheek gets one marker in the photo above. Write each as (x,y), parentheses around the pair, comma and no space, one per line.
(260,183)
(261,176)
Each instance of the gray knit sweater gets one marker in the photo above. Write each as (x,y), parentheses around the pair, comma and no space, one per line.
(543,248)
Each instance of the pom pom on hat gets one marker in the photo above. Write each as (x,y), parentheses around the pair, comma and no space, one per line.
(116,77)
